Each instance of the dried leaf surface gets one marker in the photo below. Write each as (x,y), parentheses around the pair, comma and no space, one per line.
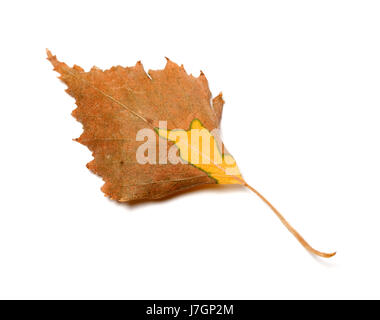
(113,105)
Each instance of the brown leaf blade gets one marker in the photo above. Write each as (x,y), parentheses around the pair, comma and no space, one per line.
(113,105)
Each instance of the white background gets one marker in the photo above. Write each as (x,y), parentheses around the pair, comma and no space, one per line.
(301,80)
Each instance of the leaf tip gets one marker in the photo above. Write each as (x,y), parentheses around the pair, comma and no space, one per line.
(50,56)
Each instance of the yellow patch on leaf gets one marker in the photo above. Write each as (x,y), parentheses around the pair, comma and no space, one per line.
(198,147)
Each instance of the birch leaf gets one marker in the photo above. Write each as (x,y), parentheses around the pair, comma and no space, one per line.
(152,134)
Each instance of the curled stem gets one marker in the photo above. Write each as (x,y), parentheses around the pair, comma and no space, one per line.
(294,232)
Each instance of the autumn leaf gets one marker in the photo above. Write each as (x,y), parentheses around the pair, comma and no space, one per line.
(152,134)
